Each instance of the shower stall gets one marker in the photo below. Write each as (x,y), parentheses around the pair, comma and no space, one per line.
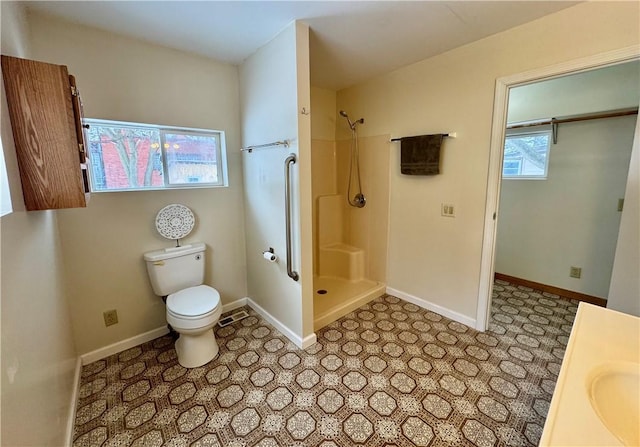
(350,187)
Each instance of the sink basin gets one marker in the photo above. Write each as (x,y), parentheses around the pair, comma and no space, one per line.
(614,393)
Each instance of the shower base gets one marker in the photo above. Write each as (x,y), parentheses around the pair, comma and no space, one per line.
(341,297)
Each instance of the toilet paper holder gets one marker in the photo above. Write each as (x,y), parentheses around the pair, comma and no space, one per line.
(270,255)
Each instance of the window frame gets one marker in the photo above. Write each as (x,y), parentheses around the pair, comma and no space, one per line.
(221,155)
(523,133)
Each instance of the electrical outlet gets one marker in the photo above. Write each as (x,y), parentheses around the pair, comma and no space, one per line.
(110,317)
(575,272)
(447,210)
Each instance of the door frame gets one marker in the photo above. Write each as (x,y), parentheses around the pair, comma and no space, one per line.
(494,181)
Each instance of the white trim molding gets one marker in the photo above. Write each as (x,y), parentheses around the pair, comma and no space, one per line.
(241,302)
(455,316)
(503,85)
(300,342)
(71,421)
(123,345)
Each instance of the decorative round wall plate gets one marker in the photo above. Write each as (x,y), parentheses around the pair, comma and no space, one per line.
(175,221)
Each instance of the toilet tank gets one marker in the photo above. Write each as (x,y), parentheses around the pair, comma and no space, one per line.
(175,268)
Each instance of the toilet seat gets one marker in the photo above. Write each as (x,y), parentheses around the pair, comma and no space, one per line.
(193,308)
(193,302)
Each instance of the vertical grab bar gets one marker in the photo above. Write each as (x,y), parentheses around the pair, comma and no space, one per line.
(287,212)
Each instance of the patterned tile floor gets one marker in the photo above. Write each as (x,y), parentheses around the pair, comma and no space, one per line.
(389,373)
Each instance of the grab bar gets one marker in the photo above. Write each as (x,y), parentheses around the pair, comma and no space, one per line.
(287,212)
(250,149)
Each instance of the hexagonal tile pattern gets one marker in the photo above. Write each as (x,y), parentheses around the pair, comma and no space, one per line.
(182,393)
(173,373)
(192,418)
(354,381)
(403,383)
(453,385)
(247,359)
(493,409)
(307,378)
(132,370)
(417,431)
(230,396)
(388,374)
(300,425)
(375,364)
(331,362)
(91,411)
(437,406)
(478,434)
(330,401)
(358,428)
(262,376)
(245,422)
(382,403)
(279,398)
(140,415)
(289,360)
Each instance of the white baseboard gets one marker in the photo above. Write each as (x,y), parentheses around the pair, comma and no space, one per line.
(123,345)
(309,340)
(234,305)
(302,343)
(74,403)
(455,316)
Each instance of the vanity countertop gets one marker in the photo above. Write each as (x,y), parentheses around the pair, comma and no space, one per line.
(599,336)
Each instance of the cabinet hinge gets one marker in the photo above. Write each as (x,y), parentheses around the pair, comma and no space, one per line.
(81,148)
(74,91)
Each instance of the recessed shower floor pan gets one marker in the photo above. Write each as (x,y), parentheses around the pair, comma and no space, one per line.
(341,297)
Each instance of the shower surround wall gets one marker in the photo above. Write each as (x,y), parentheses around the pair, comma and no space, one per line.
(367,227)
(364,228)
(350,244)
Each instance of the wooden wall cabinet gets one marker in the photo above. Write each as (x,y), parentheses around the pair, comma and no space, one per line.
(46,119)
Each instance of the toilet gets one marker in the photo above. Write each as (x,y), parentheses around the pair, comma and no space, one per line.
(193,309)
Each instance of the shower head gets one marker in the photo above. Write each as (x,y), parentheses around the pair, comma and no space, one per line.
(352,125)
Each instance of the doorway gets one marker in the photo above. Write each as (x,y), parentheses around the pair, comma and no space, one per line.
(504,88)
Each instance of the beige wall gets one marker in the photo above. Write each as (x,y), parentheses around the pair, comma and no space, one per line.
(434,258)
(38,354)
(128,80)
(271,96)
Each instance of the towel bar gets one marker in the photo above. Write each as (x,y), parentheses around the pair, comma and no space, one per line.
(449,135)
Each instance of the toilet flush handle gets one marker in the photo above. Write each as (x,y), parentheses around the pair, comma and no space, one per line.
(158,262)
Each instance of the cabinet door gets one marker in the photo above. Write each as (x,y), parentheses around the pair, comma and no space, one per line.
(39,97)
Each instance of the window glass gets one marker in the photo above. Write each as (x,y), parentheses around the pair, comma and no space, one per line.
(526,155)
(191,158)
(129,156)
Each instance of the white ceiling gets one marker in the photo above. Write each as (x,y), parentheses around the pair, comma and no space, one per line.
(351,41)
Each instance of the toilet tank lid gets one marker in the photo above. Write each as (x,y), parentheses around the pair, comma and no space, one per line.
(193,301)
(174,252)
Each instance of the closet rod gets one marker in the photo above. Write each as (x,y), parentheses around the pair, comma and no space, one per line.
(585,117)
(249,149)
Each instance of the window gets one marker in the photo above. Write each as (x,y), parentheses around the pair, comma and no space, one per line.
(526,155)
(130,156)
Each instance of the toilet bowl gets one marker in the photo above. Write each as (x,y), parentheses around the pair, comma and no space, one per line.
(192,313)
